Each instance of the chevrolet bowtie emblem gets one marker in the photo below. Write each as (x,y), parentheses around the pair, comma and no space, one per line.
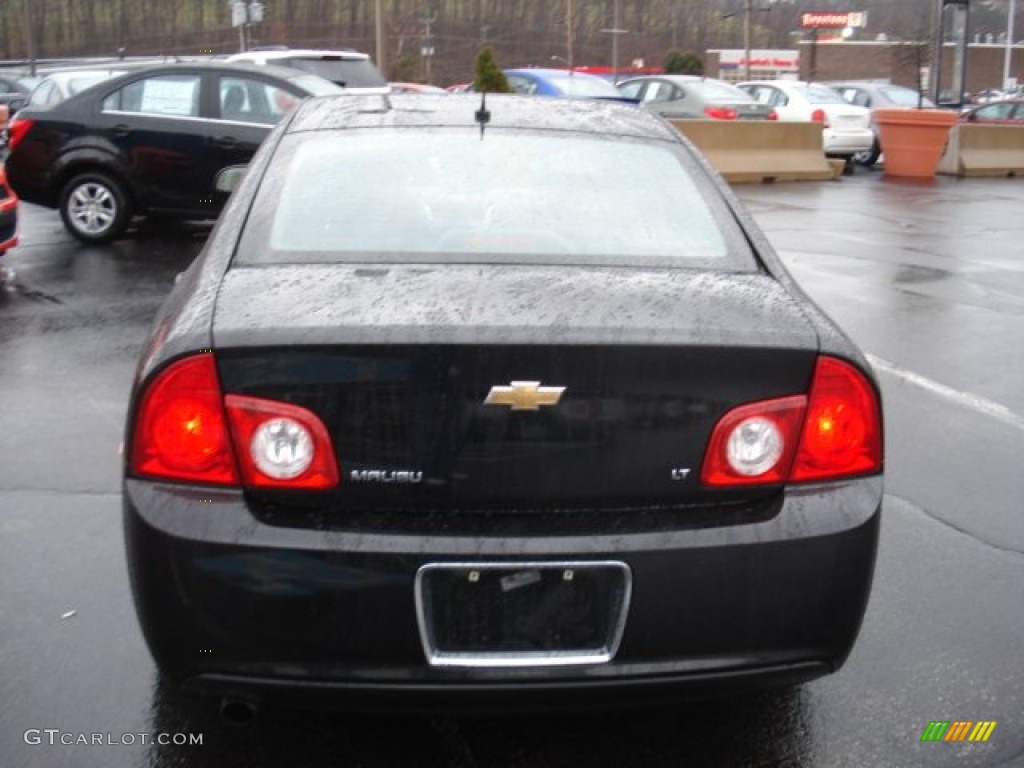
(524,395)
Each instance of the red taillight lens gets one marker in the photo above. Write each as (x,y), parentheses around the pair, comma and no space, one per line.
(834,432)
(843,431)
(186,429)
(721,113)
(16,131)
(754,444)
(180,431)
(280,445)
(819,116)
(773,115)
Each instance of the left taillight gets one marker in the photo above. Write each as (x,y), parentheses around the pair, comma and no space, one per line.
(16,131)
(820,116)
(835,431)
(187,430)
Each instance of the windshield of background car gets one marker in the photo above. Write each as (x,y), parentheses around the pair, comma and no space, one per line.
(348,73)
(431,195)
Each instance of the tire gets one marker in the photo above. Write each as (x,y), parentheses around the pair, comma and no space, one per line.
(868,157)
(95,208)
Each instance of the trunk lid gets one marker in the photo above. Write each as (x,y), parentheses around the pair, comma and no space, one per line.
(399,363)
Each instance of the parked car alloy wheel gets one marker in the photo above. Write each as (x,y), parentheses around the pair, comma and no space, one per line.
(95,208)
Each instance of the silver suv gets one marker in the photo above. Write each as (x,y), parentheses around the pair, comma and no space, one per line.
(353,71)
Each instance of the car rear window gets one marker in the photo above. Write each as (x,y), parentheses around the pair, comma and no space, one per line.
(905,97)
(585,87)
(452,195)
(713,90)
(348,73)
(822,94)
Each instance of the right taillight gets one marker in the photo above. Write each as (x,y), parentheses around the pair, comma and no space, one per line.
(842,432)
(16,131)
(834,431)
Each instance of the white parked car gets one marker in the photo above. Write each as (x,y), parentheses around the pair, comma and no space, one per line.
(353,71)
(846,128)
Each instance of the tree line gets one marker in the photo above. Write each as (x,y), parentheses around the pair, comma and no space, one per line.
(448,32)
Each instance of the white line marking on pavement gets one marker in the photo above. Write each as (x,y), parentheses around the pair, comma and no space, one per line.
(966,399)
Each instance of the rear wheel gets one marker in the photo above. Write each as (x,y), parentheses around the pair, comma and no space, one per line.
(95,208)
(869,156)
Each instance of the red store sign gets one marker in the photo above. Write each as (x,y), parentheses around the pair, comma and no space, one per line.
(833,19)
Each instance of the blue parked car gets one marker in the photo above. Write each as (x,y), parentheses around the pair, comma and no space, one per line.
(563,83)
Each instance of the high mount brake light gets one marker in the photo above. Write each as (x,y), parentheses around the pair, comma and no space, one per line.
(187,430)
(835,431)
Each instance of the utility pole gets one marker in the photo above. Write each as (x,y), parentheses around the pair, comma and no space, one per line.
(427,46)
(379,25)
(1007,58)
(748,9)
(30,46)
(568,33)
(615,31)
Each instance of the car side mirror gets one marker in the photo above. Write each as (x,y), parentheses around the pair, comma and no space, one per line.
(229,178)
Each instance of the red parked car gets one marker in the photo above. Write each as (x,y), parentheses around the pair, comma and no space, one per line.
(8,215)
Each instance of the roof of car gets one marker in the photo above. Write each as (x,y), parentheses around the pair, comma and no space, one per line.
(285,73)
(298,53)
(458,109)
(551,73)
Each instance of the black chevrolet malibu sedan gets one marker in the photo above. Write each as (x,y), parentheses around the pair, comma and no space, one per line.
(149,142)
(508,401)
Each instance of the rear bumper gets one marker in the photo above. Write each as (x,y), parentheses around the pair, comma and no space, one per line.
(844,143)
(229,604)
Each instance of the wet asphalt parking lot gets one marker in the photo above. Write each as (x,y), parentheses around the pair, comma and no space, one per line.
(927,278)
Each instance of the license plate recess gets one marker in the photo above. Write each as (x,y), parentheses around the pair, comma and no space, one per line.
(522,614)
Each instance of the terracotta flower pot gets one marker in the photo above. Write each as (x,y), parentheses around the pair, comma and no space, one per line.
(913,139)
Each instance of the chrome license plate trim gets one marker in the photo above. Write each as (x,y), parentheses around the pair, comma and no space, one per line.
(516,573)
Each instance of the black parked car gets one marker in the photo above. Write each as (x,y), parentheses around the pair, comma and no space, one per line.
(15,88)
(149,142)
(509,401)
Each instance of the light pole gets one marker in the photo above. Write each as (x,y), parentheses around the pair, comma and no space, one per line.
(378,20)
(615,32)
(30,46)
(568,34)
(748,8)
(243,14)
(1009,44)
